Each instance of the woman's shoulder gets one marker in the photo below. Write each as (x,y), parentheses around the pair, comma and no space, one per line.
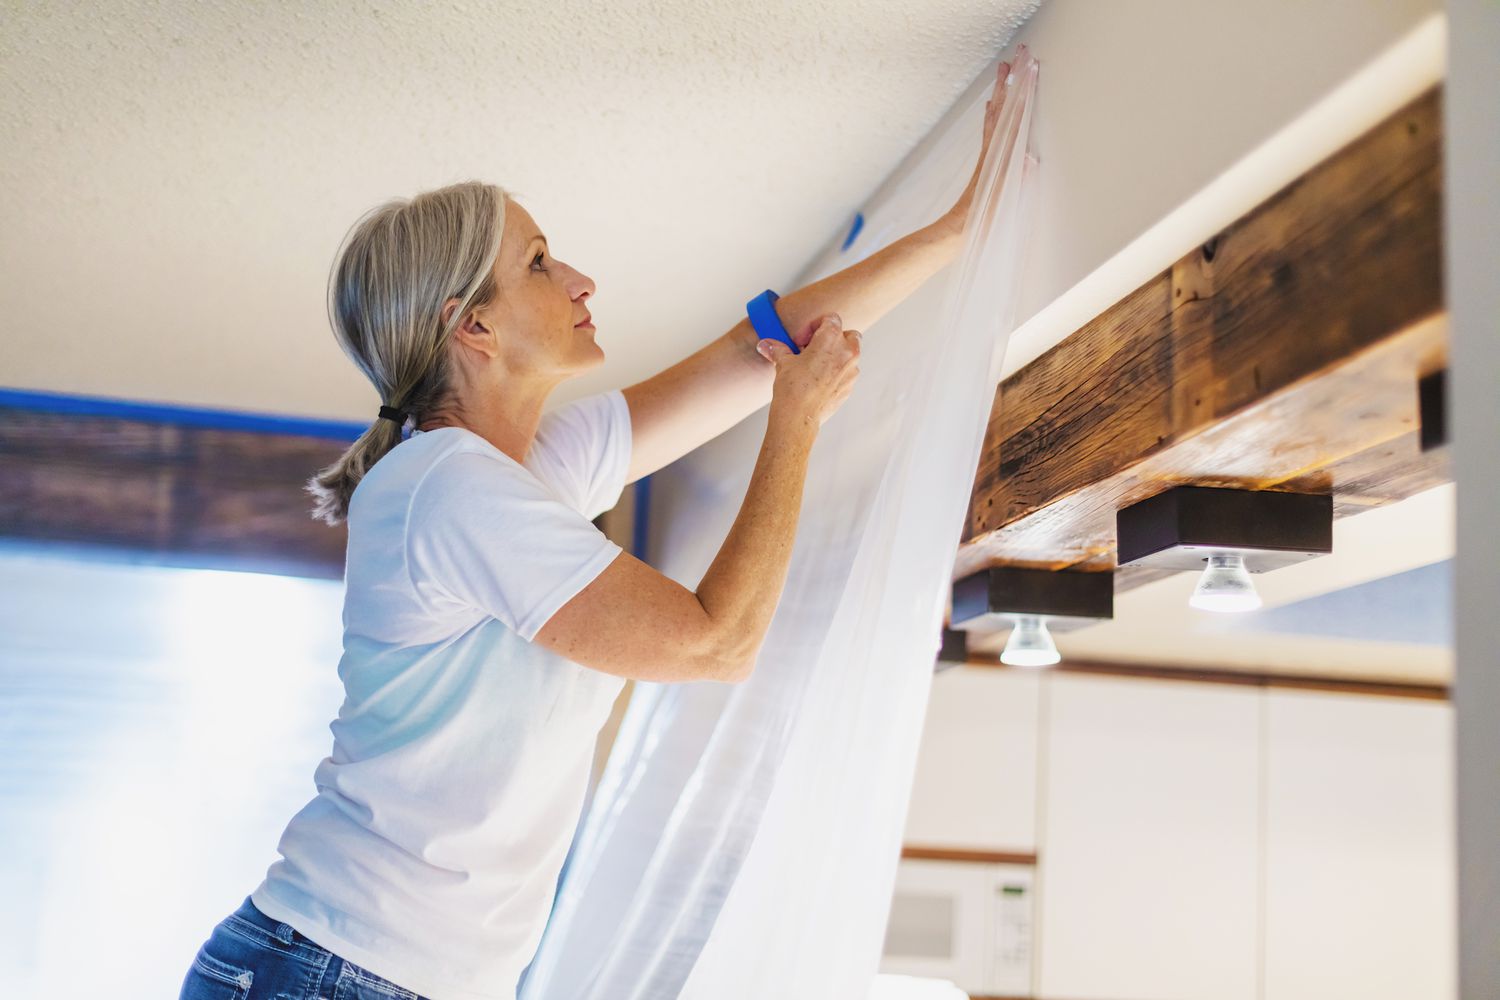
(582,450)
(437,461)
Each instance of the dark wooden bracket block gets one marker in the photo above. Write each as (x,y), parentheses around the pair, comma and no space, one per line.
(988,600)
(1180,528)
(1432,406)
(954,651)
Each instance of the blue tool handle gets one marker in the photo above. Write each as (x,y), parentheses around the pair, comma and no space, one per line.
(767,324)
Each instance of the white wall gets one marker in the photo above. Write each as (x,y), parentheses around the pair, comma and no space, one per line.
(1143,102)
(975,783)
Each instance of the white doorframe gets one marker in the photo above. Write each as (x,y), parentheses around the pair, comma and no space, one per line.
(1472,251)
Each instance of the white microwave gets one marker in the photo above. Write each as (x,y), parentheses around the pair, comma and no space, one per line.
(965,921)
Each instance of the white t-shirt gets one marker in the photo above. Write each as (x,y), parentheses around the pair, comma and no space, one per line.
(461,755)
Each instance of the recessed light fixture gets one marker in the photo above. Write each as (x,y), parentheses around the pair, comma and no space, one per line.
(1030,645)
(1225,585)
(1234,532)
(1030,602)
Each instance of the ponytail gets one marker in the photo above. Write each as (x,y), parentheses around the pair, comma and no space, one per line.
(398,266)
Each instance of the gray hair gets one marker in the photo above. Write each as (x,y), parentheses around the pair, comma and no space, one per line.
(396,268)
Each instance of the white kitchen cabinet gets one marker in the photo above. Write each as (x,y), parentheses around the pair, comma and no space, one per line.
(1148,857)
(1359,848)
(975,783)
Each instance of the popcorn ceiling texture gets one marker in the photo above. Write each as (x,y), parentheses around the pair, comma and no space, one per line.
(175,177)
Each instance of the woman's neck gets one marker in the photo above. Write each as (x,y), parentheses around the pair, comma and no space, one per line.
(506,416)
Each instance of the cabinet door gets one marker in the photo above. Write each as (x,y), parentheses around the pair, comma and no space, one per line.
(1148,857)
(975,783)
(1359,848)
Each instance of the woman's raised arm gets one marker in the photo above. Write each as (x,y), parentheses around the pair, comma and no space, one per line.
(716,387)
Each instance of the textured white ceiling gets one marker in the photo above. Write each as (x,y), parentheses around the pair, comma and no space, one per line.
(175,177)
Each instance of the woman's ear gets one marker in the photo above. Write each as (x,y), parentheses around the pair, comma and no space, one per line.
(446,314)
(473,331)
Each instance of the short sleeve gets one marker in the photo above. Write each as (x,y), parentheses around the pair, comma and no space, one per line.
(582,450)
(484,532)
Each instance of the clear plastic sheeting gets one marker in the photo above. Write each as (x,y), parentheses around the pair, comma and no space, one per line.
(744,838)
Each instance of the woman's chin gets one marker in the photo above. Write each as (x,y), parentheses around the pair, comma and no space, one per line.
(591,355)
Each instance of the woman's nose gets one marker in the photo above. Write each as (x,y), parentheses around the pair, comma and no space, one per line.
(582,286)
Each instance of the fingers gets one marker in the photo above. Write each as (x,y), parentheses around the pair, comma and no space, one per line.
(824,337)
(828,324)
(822,377)
(773,351)
(997,97)
(803,336)
(818,334)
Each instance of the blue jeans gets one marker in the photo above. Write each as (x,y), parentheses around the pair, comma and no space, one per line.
(249,956)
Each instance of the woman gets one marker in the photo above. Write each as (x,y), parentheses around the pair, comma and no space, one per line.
(488,625)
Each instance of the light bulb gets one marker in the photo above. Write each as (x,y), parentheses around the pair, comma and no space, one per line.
(1029,644)
(1225,585)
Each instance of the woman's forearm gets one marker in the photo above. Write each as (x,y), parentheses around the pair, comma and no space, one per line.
(720,384)
(742,586)
(864,292)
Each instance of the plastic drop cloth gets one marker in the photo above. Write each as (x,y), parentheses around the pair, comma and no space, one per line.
(743,840)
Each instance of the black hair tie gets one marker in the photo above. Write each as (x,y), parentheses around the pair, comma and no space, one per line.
(391,413)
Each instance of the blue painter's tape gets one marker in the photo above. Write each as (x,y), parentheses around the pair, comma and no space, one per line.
(187,416)
(767,324)
(859,223)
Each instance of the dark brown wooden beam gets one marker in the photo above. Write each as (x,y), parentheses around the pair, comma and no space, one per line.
(182,495)
(168,493)
(1282,354)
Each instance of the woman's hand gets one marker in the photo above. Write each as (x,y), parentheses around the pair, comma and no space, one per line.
(811,386)
(958,215)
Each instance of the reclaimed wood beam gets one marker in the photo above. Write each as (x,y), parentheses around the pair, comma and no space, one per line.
(178,494)
(1282,354)
(167,493)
